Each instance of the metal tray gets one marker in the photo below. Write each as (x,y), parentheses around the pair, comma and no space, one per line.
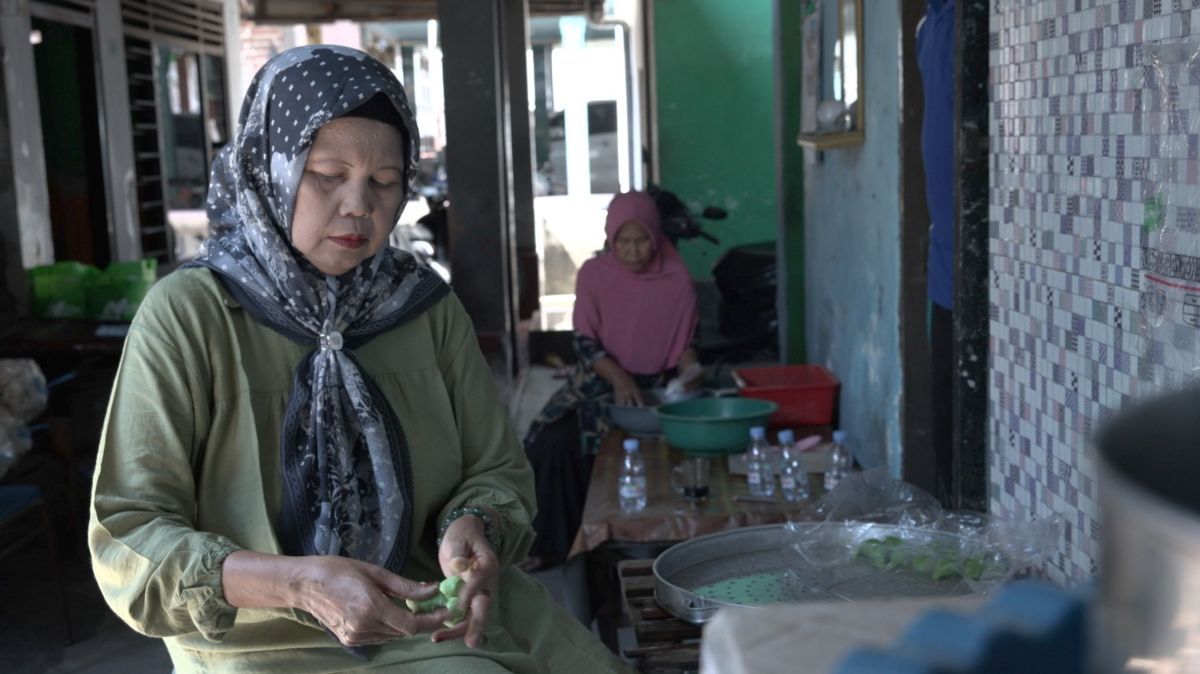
(764,567)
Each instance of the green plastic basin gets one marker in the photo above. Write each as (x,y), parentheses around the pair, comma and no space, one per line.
(713,425)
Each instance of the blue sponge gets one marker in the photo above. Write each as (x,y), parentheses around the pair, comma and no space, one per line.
(1030,627)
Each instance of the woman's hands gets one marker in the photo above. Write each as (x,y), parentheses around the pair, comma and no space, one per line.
(465,552)
(625,390)
(690,375)
(352,599)
(691,372)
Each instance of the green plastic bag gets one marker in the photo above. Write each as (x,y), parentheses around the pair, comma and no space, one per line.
(118,292)
(60,290)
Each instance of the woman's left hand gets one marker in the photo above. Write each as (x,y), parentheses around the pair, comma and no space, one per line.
(465,552)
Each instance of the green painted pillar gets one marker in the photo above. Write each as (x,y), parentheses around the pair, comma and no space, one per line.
(715,112)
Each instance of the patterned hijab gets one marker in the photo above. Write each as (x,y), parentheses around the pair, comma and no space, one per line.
(347,476)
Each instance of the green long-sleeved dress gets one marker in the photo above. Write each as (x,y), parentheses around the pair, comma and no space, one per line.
(189,471)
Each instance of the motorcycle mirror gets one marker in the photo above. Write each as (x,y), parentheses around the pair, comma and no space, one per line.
(714,213)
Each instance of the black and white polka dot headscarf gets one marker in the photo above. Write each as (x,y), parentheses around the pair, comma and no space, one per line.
(347,487)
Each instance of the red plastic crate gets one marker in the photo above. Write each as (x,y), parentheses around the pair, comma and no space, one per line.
(806,394)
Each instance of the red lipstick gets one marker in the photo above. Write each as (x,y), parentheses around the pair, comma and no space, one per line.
(350,240)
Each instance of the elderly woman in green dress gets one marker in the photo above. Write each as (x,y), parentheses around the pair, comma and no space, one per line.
(303,433)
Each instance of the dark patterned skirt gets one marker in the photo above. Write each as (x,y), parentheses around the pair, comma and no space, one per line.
(561,445)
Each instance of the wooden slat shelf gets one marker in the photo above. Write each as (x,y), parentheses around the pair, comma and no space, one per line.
(665,644)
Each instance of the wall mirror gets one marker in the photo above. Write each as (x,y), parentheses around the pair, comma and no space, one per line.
(832,109)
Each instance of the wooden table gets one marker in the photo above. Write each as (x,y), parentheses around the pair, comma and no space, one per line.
(39,338)
(608,536)
(669,517)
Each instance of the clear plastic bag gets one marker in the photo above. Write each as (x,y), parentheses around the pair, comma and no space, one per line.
(15,440)
(1165,290)
(23,391)
(880,537)
(23,395)
(874,496)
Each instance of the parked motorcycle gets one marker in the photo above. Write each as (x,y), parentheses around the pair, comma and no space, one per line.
(746,321)
(435,224)
(415,239)
(677,221)
(427,237)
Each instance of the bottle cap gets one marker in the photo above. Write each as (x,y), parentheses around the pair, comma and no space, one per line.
(630,444)
(758,432)
(786,437)
(839,437)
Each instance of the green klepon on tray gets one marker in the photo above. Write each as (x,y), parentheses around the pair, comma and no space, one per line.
(447,597)
(936,560)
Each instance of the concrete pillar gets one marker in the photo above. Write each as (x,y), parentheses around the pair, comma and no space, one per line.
(118,129)
(516,45)
(543,97)
(579,178)
(407,56)
(479,166)
(25,134)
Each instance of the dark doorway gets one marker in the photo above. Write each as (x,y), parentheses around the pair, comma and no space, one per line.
(70,112)
(946,373)
(971,300)
(916,422)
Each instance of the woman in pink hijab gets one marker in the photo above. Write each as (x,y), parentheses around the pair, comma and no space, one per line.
(635,319)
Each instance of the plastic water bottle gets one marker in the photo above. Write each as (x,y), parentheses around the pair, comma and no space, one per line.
(839,461)
(760,469)
(631,483)
(793,479)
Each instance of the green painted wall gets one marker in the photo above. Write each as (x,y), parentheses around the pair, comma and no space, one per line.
(714,68)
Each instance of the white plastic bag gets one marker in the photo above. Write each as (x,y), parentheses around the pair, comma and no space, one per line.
(22,389)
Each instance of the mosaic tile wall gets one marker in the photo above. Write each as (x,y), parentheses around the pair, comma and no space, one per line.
(1093,242)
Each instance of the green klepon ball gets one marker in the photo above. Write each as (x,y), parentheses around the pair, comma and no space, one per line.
(457,612)
(447,597)
(425,605)
(946,568)
(973,568)
(450,586)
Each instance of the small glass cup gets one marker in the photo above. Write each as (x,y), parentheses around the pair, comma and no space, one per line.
(690,478)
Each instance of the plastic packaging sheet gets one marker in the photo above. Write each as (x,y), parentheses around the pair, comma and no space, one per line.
(23,396)
(1164,164)
(880,537)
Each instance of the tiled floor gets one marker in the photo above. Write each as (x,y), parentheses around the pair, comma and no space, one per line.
(32,638)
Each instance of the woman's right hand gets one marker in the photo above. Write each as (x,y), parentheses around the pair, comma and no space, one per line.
(351,598)
(626,392)
(354,600)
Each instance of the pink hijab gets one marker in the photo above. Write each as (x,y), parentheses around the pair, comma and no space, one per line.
(644,320)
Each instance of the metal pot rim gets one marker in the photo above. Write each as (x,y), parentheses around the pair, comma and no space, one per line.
(1120,491)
